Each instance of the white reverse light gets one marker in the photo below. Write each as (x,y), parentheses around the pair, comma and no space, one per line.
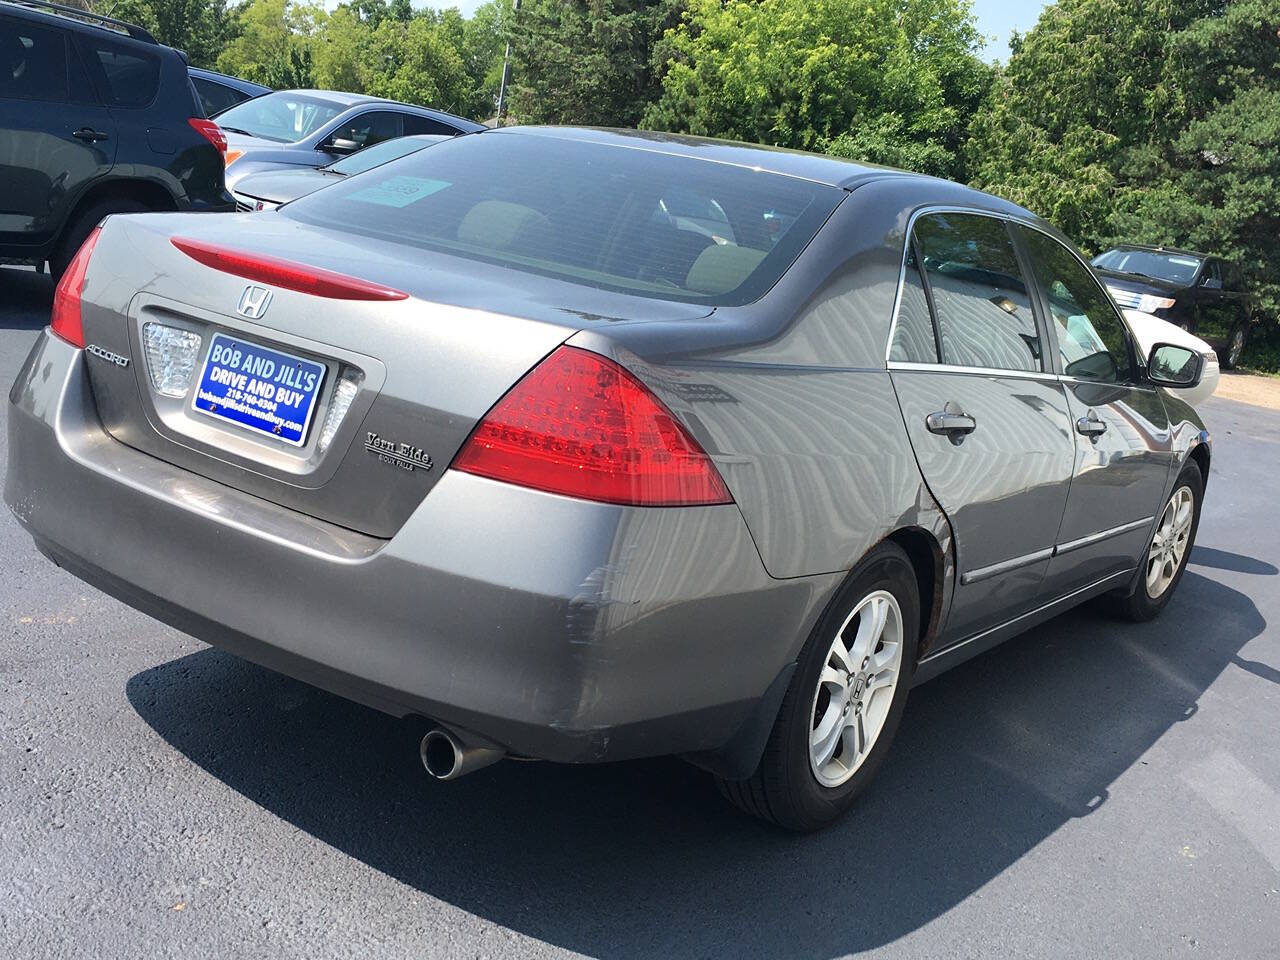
(171,357)
(339,404)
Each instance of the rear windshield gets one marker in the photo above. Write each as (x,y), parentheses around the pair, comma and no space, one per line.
(283,117)
(1175,267)
(600,215)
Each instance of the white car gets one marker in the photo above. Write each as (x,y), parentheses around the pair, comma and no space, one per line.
(1150,330)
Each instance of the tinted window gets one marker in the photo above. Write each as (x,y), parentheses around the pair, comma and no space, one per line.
(215,97)
(1212,276)
(1233,279)
(983,310)
(126,77)
(283,117)
(376,155)
(33,62)
(1092,340)
(413,124)
(913,339)
(582,212)
(369,128)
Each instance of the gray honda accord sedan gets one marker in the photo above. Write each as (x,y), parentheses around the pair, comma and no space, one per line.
(586,445)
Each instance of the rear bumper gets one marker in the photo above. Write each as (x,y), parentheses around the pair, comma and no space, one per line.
(557,628)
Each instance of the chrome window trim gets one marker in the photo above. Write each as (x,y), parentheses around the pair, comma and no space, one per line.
(914,366)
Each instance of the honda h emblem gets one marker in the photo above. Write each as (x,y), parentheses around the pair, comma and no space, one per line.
(254,302)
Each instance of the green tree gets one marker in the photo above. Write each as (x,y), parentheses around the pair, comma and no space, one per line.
(1156,121)
(880,80)
(273,42)
(201,28)
(586,61)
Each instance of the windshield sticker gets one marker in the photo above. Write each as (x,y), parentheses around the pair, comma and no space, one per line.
(399,191)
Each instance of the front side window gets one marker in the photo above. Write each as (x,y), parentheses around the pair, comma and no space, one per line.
(367,129)
(983,310)
(1092,340)
(33,62)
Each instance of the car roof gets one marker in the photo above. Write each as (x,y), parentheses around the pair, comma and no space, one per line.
(362,99)
(64,16)
(1175,250)
(816,167)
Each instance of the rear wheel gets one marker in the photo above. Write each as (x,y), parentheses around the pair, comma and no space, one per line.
(844,703)
(1235,349)
(83,223)
(1169,549)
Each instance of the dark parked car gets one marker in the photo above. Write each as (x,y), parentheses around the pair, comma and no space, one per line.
(219,92)
(96,118)
(312,128)
(269,189)
(1202,294)
(590,445)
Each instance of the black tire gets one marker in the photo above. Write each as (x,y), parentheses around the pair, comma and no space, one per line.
(1139,606)
(82,224)
(784,789)
(1230,358)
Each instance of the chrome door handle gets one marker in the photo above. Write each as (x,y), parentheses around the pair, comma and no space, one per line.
(1091,427)
(947,423)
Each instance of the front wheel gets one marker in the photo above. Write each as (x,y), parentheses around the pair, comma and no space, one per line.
(1169,549)
(844,703)
(1235,349)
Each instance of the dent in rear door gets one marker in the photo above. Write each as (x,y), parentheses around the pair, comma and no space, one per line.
(993,442)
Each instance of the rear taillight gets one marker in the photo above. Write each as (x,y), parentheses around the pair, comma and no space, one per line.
(285,273)
(211,132)
(579,424)
(65,319)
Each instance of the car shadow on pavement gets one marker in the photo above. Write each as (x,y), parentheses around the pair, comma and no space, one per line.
(25,298)
(1225,560)
(643,859)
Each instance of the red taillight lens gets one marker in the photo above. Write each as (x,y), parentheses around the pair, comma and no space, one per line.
(285,273)
(65,319)
(581,425)
(211,132)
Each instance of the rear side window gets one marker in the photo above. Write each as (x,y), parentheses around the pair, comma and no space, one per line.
(415,125)
(33,61)
(125,76)
(596,214)
(1091,336)
(983,309)
(914,339)
(215,97)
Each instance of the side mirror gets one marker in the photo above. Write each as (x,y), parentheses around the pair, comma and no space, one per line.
(1170,365)
(339,145)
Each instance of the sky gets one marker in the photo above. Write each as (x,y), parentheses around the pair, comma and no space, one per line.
(997,19)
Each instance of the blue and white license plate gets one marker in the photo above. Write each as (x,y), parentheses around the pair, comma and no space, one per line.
(259,388)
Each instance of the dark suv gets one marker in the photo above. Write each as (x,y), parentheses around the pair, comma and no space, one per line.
(96,118)
(1197,292)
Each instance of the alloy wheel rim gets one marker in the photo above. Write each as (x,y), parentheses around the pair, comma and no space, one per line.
(855,688)
(1237,347)
(1169,543)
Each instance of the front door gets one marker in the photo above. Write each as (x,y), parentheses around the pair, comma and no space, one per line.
(988,421)
(54,137)
(1123,438)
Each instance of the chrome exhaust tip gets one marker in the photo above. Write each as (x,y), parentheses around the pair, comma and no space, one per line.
(446,755)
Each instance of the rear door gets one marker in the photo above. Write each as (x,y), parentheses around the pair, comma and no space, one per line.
(1215,310)
(126,73)
(55,138)
(987,417)
(1123,449)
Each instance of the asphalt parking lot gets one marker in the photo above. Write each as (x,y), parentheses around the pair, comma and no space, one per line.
(1092,789)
